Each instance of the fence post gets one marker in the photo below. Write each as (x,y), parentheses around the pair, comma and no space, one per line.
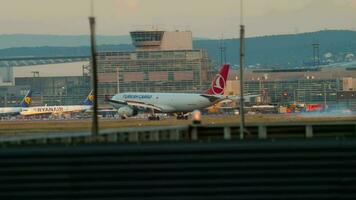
(194,133)
(227,133)
(308,131)
(174,134)
(154,136)
(262,132)
(133,136)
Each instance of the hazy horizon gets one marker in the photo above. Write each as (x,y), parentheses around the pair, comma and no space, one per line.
(212,19)
(195,36)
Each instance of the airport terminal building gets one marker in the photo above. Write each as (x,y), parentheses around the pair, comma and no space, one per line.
(332,86)
(52,84)
(162,62)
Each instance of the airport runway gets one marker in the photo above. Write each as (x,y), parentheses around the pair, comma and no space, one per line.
(80,125)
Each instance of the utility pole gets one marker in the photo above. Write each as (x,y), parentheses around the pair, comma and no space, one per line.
(324,96)
(94,74)
(222,48)
(242,63)
(5,99)
(316,56)
(118,80)
(221,53)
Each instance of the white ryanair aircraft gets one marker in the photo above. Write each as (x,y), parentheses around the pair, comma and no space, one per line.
(12,111)
(58,110)
(129,104)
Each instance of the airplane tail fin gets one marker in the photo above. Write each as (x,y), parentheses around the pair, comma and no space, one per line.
(27,100)
(90,98)
(218,85)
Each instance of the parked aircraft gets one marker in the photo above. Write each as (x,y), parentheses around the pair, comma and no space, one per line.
(11,111)
(59,110)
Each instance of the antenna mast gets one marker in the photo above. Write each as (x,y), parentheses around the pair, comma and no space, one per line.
(222,48)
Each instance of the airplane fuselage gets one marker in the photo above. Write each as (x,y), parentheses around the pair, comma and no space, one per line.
(38,110)
(10,110)
(167,102)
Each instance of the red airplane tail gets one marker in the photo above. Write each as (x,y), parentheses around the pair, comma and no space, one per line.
(218,85)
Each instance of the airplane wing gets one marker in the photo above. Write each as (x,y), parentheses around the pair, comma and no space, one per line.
(137,104)
(234,97)
(213,98)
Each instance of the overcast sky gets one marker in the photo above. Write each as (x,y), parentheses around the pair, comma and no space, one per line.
(206,18)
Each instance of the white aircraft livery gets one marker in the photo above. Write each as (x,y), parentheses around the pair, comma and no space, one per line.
(54,110)
(128,104)
(25,103)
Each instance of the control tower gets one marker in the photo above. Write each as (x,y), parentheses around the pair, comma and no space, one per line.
(162,40)
(163,61)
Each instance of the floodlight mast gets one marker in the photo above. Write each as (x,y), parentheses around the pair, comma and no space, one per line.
(242,64)
(94,72)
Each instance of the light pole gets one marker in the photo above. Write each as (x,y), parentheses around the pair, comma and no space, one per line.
(94,74)
(242,63)
(118,80)
(325,95)
(61,99)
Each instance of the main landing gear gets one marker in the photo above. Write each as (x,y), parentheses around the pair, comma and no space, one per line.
(182,117)
(153,117)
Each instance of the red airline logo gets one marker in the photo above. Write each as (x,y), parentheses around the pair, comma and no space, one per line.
(218,85)
(219,82)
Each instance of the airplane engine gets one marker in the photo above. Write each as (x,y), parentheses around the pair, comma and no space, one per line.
(127,111)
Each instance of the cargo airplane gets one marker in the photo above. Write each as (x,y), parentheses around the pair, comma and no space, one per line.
(129,104)
(59,110)
(12,111)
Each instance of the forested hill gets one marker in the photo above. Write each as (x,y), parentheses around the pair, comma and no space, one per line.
(283,49)
(278,50)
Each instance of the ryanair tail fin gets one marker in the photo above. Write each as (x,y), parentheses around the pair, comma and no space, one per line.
(218,85)
(90,98)
(27,100)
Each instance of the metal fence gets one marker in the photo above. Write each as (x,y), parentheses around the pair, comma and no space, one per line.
(256,169)
(189,133)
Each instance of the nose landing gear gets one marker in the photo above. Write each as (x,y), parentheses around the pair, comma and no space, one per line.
(181,116)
